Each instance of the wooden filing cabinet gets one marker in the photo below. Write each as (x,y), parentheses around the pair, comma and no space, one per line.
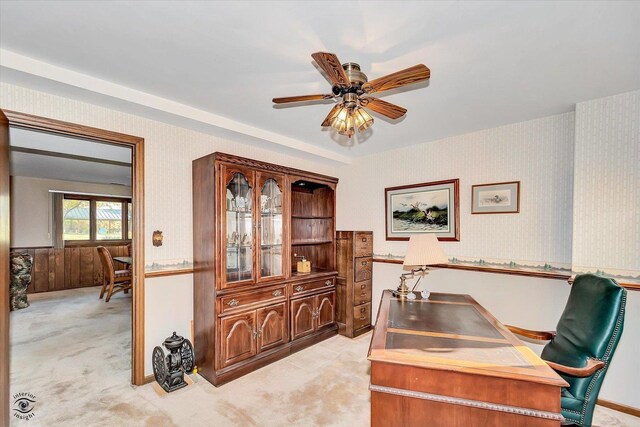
(354,252)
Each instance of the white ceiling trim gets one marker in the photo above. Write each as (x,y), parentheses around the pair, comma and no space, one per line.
(45,70)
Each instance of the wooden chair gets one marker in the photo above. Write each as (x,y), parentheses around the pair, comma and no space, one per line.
(115,280)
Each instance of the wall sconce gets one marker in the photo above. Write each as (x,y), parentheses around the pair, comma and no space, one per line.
(157,238)
(424,249)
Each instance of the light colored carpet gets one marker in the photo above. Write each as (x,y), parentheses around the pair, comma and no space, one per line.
(72,351)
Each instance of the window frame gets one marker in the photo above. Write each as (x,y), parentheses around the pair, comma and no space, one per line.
(92,199)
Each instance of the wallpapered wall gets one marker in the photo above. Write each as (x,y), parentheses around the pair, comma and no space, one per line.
(606,226)
(169,151)
(538,153)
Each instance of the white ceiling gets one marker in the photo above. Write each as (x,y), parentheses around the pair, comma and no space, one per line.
(492,63)
(69,159)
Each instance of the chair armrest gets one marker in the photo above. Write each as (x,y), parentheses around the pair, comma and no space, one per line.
(592,366)
(536,335)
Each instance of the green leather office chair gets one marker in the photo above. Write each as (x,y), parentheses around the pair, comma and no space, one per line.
(586,338)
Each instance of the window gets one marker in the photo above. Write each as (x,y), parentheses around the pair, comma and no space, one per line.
(108,220)
(95,219)
(76,219)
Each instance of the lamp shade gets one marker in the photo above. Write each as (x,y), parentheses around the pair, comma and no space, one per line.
(424,249)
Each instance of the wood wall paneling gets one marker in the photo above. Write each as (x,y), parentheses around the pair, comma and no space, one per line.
(68,268)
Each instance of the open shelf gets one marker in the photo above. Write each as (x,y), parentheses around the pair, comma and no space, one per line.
(313,225)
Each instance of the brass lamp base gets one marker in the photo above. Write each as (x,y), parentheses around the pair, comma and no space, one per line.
(402,290)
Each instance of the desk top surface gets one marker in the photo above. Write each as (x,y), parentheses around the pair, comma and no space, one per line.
(453,332)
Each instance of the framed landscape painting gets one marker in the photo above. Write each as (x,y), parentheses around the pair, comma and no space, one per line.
(499,197)
(431,207)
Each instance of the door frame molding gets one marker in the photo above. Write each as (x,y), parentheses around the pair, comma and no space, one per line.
(43,124)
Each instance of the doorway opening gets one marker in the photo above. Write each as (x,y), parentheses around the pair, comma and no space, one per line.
(78,220)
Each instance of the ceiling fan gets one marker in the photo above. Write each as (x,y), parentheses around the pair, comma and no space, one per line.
(352,87)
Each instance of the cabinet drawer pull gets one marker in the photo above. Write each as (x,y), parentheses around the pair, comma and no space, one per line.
(277,293)
(362,318)
(364,239)
(233,302)
(363,309)
(328,283)
(363,294)
(363,286)
(364,262)
(299,288)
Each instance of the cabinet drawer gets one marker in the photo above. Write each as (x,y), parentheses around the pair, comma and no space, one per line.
(304,288)
(257,297)
(361,316)
(363,244)
(362,269)
(362,292)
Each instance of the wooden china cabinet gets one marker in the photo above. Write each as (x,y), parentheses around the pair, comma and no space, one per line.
(251,222)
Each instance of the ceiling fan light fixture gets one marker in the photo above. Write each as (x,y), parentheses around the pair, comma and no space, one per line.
(343,122)
(363,120)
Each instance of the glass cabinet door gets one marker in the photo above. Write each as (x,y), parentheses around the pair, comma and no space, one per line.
(238,230)
(271,225)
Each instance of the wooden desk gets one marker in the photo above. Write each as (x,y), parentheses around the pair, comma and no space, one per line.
(447,361)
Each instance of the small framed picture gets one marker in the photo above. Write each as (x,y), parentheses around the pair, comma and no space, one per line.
(496,198)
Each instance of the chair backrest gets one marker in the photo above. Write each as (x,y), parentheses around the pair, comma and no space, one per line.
(107,262)
(590,327)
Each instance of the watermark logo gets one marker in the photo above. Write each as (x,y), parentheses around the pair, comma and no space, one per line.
(23,406)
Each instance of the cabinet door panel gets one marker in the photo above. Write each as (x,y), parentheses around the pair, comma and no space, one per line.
(271,205)
(237,225)
(326,309)
(238,338)
(302,317)
(272,326)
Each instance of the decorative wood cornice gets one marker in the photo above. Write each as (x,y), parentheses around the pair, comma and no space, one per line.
(230,158)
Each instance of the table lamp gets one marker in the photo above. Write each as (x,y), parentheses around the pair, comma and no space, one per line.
(423,250)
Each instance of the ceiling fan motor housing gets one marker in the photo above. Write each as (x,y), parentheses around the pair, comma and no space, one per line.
(356,77)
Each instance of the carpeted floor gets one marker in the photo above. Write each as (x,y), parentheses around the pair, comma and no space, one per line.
(72,352)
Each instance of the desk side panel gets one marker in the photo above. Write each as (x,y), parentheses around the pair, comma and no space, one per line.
(482,388)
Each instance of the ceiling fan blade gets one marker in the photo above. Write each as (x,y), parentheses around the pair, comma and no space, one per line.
(332,113)
(301,98)
(411,75)
(383,107)
(332,67)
